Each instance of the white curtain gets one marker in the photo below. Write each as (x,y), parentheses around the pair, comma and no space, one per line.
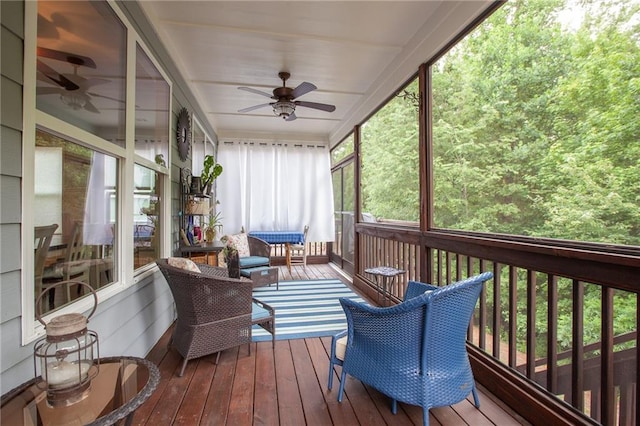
(97,228)
(276,187)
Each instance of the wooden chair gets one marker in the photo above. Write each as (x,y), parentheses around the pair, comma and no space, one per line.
(43,236)
(75,266)
(214,311)
(298,252)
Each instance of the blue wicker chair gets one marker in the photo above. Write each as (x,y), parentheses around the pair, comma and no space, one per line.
(414,352)
(338,342)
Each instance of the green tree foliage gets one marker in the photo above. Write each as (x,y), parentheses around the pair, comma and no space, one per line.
(535,125)
(390,162)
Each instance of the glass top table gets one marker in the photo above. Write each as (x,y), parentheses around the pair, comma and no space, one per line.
(388,275)
(121,386)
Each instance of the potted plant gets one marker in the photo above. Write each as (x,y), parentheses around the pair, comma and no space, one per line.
(213,227)
(210,172)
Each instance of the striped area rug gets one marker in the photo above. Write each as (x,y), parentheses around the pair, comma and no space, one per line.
(304,308)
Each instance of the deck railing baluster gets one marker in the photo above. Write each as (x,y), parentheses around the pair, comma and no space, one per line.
(607,389)
(482,320)
(577,359)
(531,324)
(552,333)
(513,316)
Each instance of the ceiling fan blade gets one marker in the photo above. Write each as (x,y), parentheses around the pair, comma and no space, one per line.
(91,107)
(72,58)
(96,95)
(251,108)
(256,91)
(89,82)
(56,77)
(304,88)
(48,91)
(316,105)
(291,117)
(46,28)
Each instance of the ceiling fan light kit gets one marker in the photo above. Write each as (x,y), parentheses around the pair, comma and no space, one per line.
(73,100)
(286,99)
(284,108)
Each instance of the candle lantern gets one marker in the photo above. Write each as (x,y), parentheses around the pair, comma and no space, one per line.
(66,356)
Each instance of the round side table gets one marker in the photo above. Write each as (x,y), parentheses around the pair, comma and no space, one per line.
(121,386)
(387,275)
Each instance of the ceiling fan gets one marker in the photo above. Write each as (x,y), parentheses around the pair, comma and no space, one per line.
(286,99)
(72,88)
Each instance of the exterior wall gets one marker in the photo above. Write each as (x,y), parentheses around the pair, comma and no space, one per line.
(129,323)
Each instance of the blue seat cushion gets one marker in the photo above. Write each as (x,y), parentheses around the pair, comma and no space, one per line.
(258,312)
(246,272)
(253,261)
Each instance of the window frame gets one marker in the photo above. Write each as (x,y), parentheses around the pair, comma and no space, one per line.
(34,119)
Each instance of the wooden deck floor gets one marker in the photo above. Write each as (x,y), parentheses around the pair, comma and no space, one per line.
(286,386)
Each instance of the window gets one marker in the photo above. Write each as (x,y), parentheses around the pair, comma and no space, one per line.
(535,129)
(75,189)
(152,111)
(82,165)
(152,154)
(342,150)
(390,186)
(146,215)
(81,66)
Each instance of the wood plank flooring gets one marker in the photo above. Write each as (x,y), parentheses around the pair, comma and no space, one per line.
(286,386)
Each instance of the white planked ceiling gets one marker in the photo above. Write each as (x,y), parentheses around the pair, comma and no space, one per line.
(355,52)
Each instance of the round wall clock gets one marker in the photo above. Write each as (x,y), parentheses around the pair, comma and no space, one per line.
(184,134)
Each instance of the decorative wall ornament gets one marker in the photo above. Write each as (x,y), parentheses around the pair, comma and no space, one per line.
(184,134)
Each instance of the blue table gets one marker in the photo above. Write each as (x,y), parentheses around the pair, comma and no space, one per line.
(281,237)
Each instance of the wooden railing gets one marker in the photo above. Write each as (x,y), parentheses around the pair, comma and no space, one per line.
(547,316)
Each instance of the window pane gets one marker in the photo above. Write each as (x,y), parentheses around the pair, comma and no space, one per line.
(75,193)
(348,210)
(81,66)
(146,215)
(342,150)
(535,128)
(198,149)
(152,111)
(336,179)
(390,164)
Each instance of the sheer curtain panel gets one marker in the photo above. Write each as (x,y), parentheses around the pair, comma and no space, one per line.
(276,186)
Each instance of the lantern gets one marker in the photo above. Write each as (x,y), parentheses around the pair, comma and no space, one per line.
(66,354)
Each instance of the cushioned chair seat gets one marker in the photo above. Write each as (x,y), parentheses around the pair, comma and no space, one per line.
(253,261)
(258,312)
(264,316)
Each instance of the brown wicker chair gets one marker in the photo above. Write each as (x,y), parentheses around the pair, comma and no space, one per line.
(260,254)
(214,311)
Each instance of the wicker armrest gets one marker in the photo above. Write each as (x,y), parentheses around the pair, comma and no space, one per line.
(258,247)
(215,271)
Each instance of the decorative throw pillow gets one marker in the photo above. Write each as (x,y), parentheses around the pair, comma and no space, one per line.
(183,263)
(241,243)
